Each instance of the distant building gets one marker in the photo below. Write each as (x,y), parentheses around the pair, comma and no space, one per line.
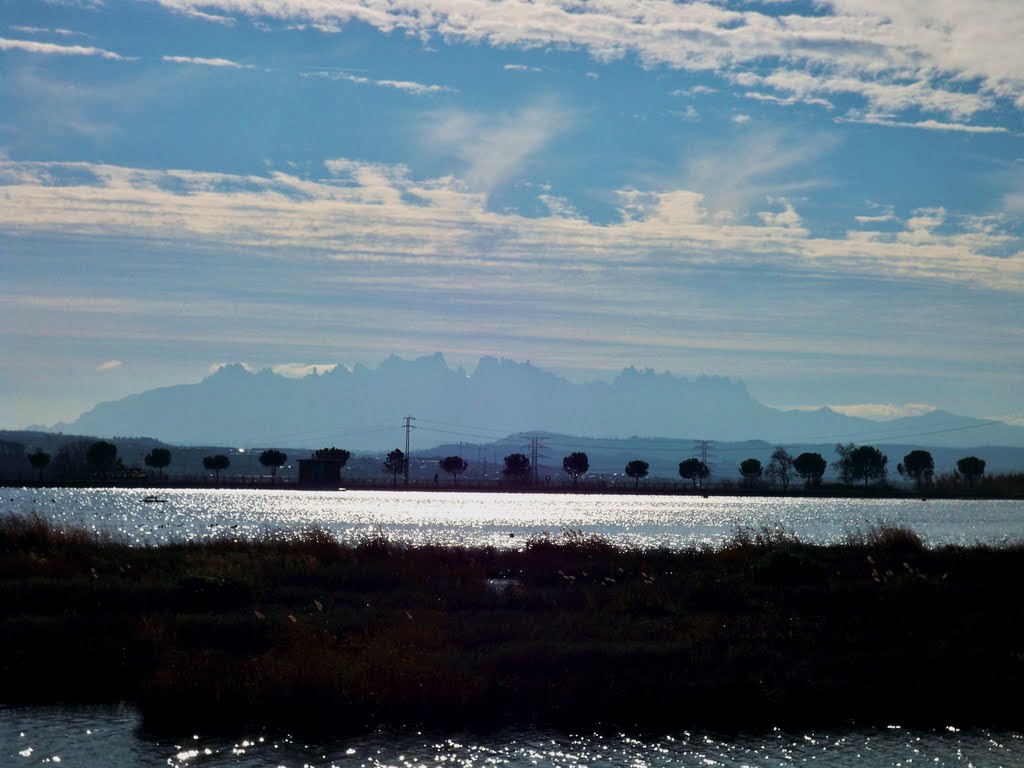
(320,472)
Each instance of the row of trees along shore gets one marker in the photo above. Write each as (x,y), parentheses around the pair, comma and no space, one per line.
(854,465)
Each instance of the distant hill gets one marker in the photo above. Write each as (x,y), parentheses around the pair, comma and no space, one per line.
(362,409)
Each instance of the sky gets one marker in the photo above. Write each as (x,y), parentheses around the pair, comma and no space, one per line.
(823,200)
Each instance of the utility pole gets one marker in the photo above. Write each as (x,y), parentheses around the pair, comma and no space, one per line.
(408,427)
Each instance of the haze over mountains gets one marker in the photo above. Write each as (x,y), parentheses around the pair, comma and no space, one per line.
(362,409)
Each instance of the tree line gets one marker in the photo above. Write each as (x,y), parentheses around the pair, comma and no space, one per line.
(854,464)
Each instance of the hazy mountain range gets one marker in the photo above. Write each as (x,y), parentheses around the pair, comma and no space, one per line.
(363,409)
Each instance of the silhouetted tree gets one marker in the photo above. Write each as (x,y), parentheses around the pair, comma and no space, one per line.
(158,458)
(867,463)
(454,466)
(216,463)
(810,467)
(517,467)
(273,458)
(576,465)
(694,469)
(12,456)
(70,461)
(333,454)
(39,459)
(637,469)
(843,465)
(919,466)
(751,471)
(780,468)
(101,457)
(972,468)
(395,464)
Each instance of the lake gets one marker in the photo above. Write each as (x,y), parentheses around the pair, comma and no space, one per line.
(505,519)
(98,737)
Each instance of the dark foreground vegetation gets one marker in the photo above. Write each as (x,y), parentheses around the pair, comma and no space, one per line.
(308,635)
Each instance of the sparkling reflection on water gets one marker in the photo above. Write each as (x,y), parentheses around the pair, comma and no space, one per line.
(96,736)
(502,519)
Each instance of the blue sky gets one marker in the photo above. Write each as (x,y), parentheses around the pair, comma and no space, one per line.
(822,199)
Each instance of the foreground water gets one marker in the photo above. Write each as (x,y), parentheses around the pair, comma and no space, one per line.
(96,736)
(505,520)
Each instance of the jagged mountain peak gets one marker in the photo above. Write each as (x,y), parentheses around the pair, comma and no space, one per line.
(363,409)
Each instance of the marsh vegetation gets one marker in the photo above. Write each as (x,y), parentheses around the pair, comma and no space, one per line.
(306,634)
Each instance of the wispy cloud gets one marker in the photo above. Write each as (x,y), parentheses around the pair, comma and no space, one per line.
(226,21)
(494,148)
(205,62)
(740,175)
(893,56)
(924,125)
(52,49)
(109,365)
(520,68)
(408,86)
(47,31)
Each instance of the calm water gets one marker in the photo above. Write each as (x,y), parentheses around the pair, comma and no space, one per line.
(95,737)
(504,520)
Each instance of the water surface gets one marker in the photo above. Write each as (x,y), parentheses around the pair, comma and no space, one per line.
(505,519)
(98,737)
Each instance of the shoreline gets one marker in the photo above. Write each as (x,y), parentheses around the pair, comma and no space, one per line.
(308,635)
(826,492)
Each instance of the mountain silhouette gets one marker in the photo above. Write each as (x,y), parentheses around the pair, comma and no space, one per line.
(363,409)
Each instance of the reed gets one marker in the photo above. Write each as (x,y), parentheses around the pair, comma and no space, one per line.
(304,633)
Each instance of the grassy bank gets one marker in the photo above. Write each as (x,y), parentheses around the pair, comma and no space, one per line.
(305,634)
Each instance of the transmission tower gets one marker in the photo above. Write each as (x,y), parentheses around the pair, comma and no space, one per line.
(704,446)
(535,457)
(408,428)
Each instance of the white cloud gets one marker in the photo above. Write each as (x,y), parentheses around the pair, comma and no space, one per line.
(883,411)
(787,217)
(697,90)
(226,21)
(383,218)
(689,115)
(47,31)
(109,365)
(205,62)
(520,68)
(52,49)
(217,366)
(925,125)
(891,55)
(740,119)
(301,370)
(417,89)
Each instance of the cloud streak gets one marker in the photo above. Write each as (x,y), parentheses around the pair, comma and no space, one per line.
(408,86)
(226,63)
(52,49)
